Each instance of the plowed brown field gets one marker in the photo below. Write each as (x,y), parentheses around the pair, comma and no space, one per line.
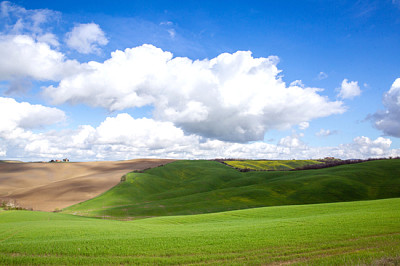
(47,186)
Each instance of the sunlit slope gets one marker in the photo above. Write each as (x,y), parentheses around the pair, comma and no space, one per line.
(192,187)
(352,233)
(271,165)
(50,186)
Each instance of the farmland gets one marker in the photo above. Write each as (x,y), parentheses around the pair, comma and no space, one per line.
(269,165)
(204,212)
(194,187)
(50,186)
(336,233)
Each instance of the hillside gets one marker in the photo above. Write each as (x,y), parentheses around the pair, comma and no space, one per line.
(47,186)
(352,233)
(271,165)
(192,187)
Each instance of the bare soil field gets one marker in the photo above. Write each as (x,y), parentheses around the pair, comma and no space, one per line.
(51,186)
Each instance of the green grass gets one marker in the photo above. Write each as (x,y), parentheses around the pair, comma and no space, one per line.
(193,187)
(349,233)
(275,165)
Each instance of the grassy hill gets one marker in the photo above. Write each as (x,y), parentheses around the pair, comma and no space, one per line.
(193,187)
(352,233)
(276,165)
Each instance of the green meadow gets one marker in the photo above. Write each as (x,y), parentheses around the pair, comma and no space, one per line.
(275,165)
(357,233)
(195,187)
(204,212)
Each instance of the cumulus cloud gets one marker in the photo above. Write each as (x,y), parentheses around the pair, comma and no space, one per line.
(86,38)
(325,132)
(119,137)
(22,56)
(232,97)
(16,118)
(360,148)
(349,89)
(124,137)
(293,141)
(389,120)
(376,147)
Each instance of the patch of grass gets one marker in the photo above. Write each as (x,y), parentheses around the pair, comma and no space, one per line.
(363,232)
(271,165)
(193,187)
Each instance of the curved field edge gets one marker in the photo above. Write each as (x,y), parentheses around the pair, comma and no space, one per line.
(51,186)
(271,165)
(193,187)
(352,233)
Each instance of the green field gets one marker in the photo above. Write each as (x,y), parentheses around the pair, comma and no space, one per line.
(273,165)
(337,233)
(193,187)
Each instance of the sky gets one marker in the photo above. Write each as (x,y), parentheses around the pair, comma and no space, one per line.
(101,80)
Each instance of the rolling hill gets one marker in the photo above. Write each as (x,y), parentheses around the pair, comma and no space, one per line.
(352,233)
(193,187)
(50,186)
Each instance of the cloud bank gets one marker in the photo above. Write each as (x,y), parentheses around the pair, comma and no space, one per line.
(201,108)
(124,137)
(232,97)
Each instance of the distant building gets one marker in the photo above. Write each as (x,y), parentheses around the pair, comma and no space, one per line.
(66,160)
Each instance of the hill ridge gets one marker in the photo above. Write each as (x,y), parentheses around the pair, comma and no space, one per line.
(192,187)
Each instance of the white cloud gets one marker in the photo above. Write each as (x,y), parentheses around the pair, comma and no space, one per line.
(233,97)
(22,56)
(349,90)
(16,119)
(145,133)
(376,147)
(322,75)
(123,137)
(293,142)
(85,38)
(389,120)
(48,38)
(120,137)
(18,20)
(325,132)
(298,83)
(304,125)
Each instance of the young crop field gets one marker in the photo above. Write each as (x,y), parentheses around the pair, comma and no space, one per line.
(194,187)
(364,232)
(275,165)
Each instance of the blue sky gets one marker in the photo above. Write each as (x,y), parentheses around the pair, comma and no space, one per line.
(99,80)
